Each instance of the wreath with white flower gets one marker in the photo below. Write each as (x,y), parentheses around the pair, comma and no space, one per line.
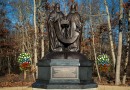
(103,63)
(24,60)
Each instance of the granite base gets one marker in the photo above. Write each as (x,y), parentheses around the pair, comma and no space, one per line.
(65,89)
(48,85)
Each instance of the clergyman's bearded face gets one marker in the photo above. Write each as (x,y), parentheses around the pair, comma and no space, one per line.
(57,7)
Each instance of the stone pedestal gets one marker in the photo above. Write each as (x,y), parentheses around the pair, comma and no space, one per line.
(65,70)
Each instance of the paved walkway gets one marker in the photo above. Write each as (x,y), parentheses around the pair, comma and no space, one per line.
(100,87)
(104,87)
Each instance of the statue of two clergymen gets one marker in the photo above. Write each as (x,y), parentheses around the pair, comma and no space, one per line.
(64,31)
(64,44)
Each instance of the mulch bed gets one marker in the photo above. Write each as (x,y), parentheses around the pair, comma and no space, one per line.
(15,84)
(14,80)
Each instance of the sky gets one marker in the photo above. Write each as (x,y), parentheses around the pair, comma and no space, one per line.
(11,11)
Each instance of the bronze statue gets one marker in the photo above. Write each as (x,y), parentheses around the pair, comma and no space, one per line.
(75,26)
(64,31)
(64,40)
(56,14)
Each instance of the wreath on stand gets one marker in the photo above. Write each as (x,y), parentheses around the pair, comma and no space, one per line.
(103,63)
(24,60)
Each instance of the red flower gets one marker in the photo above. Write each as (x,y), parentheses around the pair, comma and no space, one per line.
(25,65)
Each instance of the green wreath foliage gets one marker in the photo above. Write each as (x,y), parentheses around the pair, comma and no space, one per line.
(24,60)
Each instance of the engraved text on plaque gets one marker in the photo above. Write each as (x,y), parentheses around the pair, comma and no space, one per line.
(64,72)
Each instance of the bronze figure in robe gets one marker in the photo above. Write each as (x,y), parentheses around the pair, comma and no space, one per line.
(55,15)
(64,31)
(75,26)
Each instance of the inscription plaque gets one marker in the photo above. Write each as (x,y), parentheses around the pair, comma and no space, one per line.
(64,72)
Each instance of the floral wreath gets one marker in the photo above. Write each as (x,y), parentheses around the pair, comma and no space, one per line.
(24,60)
(103,63)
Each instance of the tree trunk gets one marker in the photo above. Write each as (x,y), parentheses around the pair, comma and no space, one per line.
(35,39)
(125,67)
(33,70)
(23,41)
(100,21)
(129,20)
(41,24)
(128,50)
(93,45)
(9,66)
(24,74)
(42,41)
(118,64)
(110,34)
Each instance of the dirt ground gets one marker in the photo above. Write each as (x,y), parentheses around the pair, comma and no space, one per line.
(14,80)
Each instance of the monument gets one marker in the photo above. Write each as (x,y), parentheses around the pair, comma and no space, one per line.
(64,67)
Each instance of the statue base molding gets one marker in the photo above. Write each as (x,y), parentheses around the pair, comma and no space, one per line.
(84,86)
(65,70)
